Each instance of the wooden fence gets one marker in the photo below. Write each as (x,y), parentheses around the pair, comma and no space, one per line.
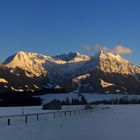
(27,118)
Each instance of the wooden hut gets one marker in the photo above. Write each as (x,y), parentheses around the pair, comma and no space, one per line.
(53,105)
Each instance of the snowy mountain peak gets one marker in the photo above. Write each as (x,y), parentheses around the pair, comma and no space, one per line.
(39,64)
(72,56)
(109,56)
(31,62)
(113,63)
(23,56)
(103,53)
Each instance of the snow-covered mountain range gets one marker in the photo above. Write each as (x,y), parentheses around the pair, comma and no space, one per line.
(103,72)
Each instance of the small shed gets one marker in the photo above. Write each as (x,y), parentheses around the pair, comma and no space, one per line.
(53,105)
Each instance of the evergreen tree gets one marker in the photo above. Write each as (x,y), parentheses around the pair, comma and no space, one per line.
(83,100)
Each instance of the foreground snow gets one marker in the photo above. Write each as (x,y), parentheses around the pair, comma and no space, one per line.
(119,122)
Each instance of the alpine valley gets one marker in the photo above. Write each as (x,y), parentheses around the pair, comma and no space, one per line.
(105,72)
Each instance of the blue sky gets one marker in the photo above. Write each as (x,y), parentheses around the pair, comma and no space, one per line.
(59,26)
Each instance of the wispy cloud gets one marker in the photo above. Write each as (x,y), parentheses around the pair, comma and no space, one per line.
(119,49)
(96,47)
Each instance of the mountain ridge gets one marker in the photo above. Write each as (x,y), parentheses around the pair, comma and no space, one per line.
(102,69)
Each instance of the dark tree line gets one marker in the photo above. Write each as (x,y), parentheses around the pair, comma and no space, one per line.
(123,100)
(19,100)
(74,101)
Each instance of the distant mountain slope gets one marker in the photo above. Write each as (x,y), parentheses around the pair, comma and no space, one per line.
(104,72)
(112,74)
(17,80)
(56,69)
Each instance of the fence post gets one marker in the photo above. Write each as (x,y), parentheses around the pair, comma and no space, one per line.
(65,113)
(54,115)
(70,113)
(8,121)
(37,117)
(26,119)
(74,112)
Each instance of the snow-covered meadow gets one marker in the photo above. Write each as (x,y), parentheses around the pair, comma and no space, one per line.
(111,122)
(118,122)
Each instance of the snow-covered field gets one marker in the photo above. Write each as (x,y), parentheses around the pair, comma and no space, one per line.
(13,111)
(119,122)
(19,115)
(111,122)
(6,111)
(89,96)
